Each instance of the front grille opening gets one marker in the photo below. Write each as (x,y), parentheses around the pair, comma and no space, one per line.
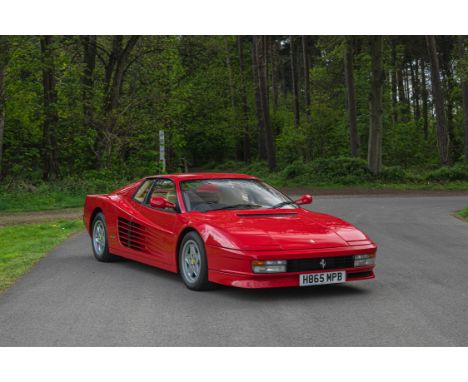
(320,263)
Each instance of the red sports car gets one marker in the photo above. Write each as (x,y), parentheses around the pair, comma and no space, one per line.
(229,229)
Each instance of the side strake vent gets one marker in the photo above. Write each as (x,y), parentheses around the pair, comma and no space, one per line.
(132,235)
(266,214)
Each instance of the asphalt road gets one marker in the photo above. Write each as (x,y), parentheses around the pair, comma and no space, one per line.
(419,298)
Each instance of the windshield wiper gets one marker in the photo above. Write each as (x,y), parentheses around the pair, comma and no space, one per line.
(236,206)
(282,204)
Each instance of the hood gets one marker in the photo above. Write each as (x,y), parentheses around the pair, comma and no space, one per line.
(282,229)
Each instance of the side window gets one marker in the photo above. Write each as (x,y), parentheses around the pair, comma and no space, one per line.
(164,188)
(140,195)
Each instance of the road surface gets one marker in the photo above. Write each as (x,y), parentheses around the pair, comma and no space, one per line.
(420,296)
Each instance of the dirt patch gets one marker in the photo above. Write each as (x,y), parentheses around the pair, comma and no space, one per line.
(8,218)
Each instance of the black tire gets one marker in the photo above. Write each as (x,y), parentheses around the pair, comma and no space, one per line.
(200,282)
(101,253)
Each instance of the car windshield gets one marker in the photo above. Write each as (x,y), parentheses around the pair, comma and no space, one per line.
(231,194)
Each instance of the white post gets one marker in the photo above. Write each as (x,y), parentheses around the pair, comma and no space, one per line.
(162,155)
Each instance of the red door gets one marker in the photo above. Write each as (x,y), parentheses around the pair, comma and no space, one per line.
(161,240)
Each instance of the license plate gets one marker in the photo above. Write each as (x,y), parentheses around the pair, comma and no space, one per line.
(322,278)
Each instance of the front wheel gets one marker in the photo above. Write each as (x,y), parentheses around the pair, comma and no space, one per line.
(193,264)
(99,239)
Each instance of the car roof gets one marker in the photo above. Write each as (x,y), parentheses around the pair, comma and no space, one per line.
(203,175)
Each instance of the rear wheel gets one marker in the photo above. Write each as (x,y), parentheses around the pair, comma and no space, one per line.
(193,264)
(99,240)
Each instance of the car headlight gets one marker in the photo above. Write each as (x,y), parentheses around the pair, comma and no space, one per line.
(268,266)
(364,260)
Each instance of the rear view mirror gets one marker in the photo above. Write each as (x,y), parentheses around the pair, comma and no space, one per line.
(304,199)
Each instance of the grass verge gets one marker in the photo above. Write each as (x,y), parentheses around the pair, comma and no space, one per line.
(463,213)
(21,246)
(334,173)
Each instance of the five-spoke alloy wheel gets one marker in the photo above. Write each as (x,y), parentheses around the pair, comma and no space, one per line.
(193,265)
(99,239)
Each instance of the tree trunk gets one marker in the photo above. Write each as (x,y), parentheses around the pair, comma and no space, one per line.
(51,119)
(305,59)
(258,102)
(424,100)
(245,110)
(442,131)
(4,53)
(351,98)
(259,43)
(234,123)
(114,76)
(295,90)
(408,92)
(229,69)
(449,102)
(374,155)
(415,87)
(393,79)
(464,78)
(403,104)
(87,80)
(274,74)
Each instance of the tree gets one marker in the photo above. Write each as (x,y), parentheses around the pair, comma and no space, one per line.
(258,101)
(87,80)
(393,80)
(442,130)
(50,168)
(424,100)
(464,79)
(374,154)
(115,69)
(295,90)
(414,67)
(274,73)
(243,96)
(4,53)
(261,61)
(306,65)
(402,95)
(351,97)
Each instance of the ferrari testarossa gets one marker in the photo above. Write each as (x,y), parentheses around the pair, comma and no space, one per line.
(229,229)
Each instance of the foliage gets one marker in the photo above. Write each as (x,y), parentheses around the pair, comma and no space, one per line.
(447,174)
(344,171)
(463,213)
(66,193)
(21,246)
(190,87)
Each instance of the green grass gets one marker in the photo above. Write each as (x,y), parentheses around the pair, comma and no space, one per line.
(70,192)
(21,246)
(37,201)
(463,213)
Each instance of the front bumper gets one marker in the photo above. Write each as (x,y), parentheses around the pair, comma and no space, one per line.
(233,268)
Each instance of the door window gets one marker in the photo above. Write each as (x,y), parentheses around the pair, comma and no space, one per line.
(142,192)
(166,189)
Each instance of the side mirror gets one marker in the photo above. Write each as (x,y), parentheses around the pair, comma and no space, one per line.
(305,199)
(160,202)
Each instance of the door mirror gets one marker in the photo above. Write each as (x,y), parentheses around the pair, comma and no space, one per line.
(160,202)
(304,199)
